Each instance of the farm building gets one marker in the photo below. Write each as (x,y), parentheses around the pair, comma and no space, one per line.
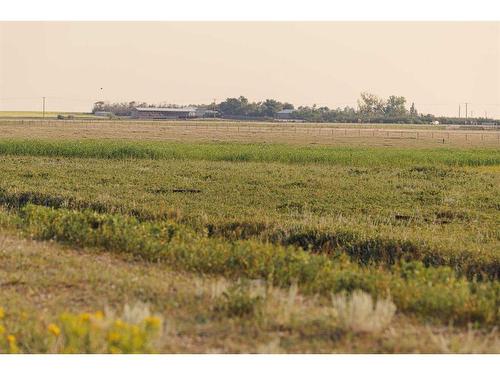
(201,112)
(163,113)
(285,114)
(103,114)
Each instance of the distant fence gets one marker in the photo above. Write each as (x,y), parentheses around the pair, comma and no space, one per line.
(489,135)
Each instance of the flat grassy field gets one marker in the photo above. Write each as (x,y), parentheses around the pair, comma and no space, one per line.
(363,135)
(387,136)
(156,246)
(40,114)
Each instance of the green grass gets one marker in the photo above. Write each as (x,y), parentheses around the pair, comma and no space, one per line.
(437,213)
(251,153)
(420,227)
(430,293)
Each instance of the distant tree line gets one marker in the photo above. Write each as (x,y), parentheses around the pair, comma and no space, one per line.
(125,108)
(370,109)
(242,107)
(230,107)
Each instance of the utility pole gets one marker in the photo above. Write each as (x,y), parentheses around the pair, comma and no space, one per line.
(43,108)
(214,106)
(466,113)
(459,111)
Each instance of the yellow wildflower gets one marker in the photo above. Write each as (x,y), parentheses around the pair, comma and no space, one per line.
(113,336)
(99,315)
(11,339)
(135,330)
(152,322)
(85,317)
(2,329)
(115,350)
(2,313)
(54,329)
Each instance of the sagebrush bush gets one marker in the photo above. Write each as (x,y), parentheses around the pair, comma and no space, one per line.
(359,313)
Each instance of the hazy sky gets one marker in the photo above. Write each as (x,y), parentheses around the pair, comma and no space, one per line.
(436,65)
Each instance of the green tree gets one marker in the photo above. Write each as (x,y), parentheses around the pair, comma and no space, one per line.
(98,106)
(395,106)
(270,107)
(234,106)
(413,110)
(370,105)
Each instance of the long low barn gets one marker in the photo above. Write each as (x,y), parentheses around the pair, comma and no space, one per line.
(163,113)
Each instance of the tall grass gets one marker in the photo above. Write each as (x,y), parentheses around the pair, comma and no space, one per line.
(250,153)
(363,245)
(434,293)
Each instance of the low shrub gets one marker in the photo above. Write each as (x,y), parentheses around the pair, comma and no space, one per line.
(359,313)
(433,293)
(238,301)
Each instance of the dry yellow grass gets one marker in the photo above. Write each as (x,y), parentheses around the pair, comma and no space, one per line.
(214,131)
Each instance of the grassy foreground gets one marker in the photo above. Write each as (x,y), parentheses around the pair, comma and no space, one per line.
(115,298)
(432,293)
(374,243)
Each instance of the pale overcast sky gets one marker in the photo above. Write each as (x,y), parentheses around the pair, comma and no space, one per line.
(436,65)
